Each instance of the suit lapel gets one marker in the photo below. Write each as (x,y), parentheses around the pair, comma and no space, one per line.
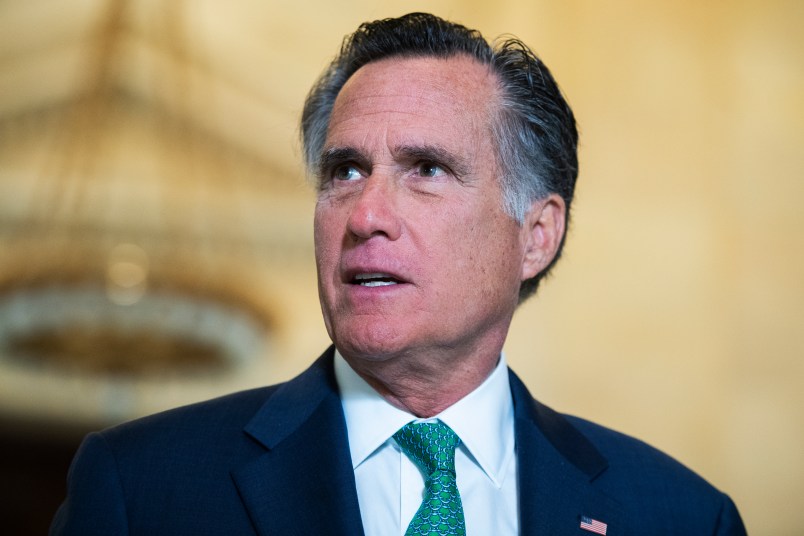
(302,482)
(557,466)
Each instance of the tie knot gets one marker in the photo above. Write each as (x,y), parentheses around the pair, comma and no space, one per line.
(431,445)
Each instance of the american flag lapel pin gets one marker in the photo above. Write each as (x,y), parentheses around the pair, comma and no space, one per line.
(593,525)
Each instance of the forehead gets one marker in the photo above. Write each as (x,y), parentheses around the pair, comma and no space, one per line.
(418,97)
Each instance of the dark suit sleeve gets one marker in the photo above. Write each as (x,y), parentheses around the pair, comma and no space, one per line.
(729,521)
(95,503)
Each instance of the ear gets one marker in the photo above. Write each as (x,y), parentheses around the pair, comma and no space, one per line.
(543,230)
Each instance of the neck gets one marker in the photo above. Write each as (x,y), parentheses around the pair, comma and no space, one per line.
(427,383)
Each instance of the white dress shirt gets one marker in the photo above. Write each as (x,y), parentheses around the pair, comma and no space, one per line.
(390,487)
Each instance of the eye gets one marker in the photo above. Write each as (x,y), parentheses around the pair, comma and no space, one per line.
(346,172)
(430,169)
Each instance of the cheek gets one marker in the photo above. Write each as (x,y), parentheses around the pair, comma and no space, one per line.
(495,253)
(325,238)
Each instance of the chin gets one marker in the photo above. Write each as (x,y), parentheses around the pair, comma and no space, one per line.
(374,343)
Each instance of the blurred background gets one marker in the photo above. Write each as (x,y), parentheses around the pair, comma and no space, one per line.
(156,235)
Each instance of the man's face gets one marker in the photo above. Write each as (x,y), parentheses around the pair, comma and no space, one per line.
(413,248)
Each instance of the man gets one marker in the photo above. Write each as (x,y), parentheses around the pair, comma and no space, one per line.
(445,173)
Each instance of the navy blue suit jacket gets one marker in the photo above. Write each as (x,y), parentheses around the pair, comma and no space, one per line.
(276,461)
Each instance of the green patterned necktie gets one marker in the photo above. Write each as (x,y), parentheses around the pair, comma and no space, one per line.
(431,446)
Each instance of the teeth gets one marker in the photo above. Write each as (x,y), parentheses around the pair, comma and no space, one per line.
(377,283)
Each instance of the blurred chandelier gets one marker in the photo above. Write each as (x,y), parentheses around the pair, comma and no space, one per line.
(121,256)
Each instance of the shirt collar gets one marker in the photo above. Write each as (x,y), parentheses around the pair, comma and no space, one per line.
(483,419)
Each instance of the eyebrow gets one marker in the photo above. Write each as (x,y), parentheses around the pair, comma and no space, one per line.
(338,155)
(436,154)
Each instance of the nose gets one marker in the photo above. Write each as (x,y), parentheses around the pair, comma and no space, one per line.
(375,212)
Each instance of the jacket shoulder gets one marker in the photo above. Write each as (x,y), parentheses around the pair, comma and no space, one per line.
(652,492)
(652,484)
(219,416)
(631,456)
(149,475)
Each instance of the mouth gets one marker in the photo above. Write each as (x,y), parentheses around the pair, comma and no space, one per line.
(377,279)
